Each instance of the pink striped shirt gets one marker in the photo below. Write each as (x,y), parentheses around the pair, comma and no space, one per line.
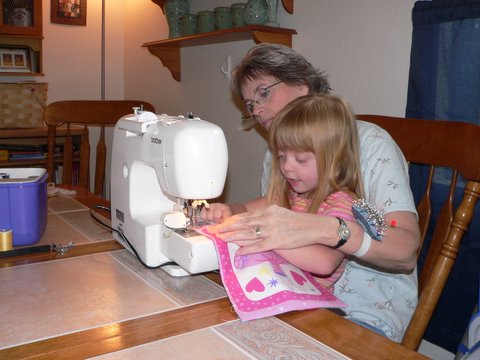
(339,204)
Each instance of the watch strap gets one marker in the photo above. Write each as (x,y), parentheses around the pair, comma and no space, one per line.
(343,233)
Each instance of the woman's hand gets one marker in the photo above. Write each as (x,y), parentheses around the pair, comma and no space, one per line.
(269,228)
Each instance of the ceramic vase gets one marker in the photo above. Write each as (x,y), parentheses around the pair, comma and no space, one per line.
(174,10)
(256,12)
(272,13)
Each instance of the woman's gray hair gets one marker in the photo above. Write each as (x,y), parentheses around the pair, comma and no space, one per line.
(281,62)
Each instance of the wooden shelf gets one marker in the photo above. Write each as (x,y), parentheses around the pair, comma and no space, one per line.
(31,162)
(287,4)
(168,50)
(23,163)
(35,133)
(32,45)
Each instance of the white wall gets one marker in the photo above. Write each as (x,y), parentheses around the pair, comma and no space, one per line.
(364,46)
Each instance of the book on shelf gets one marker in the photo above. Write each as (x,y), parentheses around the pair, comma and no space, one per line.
(26,155)
(33,147)
(21,147)
(27,152)
(3,155)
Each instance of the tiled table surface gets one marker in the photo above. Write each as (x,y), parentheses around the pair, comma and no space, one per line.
(68,216)
(267,338)
(49,299)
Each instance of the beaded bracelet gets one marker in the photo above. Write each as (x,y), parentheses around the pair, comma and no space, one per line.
(370,218)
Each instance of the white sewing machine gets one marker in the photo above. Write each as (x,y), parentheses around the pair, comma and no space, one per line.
(160,164)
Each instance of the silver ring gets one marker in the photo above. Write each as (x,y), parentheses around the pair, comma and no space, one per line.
(258,233)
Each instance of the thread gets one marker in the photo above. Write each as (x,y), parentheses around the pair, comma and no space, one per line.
(6,242)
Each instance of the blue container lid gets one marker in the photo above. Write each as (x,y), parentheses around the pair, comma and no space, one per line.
(21,176)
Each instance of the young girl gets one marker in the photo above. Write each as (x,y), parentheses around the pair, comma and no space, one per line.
(315,169)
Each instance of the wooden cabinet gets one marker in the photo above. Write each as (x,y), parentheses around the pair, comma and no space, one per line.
(21,34)
(168,50)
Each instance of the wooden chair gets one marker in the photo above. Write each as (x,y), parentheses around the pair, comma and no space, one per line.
(80,114)
(437,143)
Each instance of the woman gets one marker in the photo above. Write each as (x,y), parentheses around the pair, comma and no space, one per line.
(268,78)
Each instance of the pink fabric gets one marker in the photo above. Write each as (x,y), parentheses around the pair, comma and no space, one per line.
(264,284)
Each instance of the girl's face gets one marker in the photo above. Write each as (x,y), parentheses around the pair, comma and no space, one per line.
(265,96)
(299,169)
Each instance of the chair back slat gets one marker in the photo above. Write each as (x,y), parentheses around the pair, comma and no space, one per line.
(437,143)
(67,158)
(424,208)
(84,178)
(101,161)
(440,234)
(86,114)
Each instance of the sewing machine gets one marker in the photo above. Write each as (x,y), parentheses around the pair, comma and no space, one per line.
(162,169)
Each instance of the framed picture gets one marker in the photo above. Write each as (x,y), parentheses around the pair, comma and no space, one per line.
(69,12)
(13,59)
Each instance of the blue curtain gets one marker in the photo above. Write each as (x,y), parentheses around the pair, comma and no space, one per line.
(444,83)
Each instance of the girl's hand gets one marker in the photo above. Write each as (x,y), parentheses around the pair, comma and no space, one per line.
(216,212)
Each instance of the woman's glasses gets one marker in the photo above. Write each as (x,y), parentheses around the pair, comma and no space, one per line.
(260,97)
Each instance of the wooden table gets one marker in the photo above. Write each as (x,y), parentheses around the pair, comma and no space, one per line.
(324,326)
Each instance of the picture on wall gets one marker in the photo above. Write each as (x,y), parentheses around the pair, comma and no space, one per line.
(69,12)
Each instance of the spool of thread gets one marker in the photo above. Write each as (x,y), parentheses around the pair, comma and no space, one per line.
(6,240)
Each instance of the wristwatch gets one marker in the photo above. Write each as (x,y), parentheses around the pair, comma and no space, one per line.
(343,233)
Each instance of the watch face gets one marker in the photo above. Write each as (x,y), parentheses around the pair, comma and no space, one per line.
(343,233)
(343,230)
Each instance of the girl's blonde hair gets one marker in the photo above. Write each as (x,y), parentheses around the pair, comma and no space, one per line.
(324,125)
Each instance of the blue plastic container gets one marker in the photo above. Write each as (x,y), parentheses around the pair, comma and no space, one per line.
(23,203)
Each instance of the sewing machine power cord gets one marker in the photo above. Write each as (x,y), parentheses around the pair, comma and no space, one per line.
(120,233)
